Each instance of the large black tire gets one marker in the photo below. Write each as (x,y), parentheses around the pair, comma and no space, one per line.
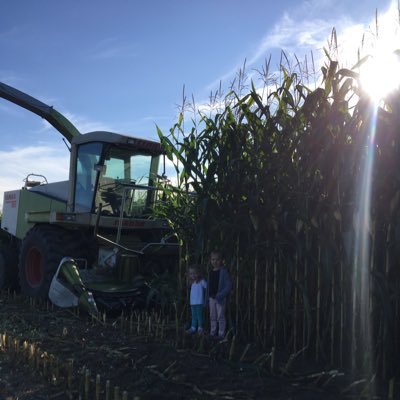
(41,252)
(8,266)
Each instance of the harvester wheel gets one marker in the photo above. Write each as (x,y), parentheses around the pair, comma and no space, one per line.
(41,252)
(8,266)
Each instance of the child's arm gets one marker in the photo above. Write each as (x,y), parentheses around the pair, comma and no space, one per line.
(224,291)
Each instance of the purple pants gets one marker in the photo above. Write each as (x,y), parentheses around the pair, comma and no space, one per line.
(217,317)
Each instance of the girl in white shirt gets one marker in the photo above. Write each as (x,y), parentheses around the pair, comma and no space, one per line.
(197,300)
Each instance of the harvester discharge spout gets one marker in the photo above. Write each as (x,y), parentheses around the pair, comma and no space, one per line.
(52,116)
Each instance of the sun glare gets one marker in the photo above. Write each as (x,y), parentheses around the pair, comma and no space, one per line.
(380,74)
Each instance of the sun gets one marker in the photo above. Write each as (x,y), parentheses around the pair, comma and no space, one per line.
(380,74)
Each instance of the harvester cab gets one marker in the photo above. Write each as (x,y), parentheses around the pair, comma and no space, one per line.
(90,240)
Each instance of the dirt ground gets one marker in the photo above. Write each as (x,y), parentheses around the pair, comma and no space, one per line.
(50,353)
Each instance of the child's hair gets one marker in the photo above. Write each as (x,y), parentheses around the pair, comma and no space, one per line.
(196,268)
(216,253)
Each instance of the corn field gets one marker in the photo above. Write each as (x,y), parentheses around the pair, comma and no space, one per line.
(272,179)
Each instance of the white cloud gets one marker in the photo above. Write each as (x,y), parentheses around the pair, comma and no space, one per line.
(82,123)
(385,32)
(290,35)
(294,36)
(53,163)
(302,32)
(85,124)
(112,48)
(10,77)
(12,33)
(9,109)
(21,161)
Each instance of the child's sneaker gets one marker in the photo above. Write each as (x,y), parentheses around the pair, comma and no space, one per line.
(190,331)
(200,331)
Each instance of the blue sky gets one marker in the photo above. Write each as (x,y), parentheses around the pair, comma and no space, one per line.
(121,65)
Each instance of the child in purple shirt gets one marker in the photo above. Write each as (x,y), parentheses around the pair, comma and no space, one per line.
(219,286)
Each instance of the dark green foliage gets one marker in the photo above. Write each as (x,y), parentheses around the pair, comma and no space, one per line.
(275,181)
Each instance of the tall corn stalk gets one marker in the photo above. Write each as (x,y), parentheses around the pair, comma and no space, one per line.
(266,161)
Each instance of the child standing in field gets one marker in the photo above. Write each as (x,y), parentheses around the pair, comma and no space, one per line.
(219,286)
(197,300)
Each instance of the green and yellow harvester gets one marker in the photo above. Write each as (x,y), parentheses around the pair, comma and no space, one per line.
(87,241)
